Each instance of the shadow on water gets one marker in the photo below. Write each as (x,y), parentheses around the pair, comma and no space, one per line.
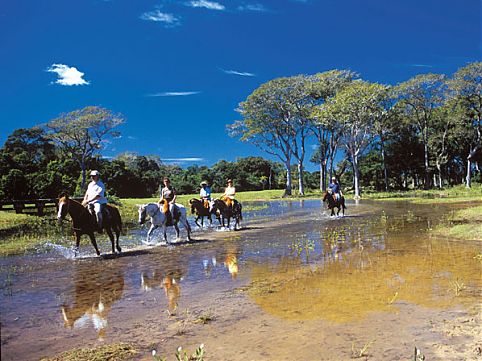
(290,258)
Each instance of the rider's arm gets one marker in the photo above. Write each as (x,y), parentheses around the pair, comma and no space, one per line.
(174,197)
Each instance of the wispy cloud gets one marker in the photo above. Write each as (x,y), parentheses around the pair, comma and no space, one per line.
(157,16)
(253,7)
(211,5)
(173,94)
(68,75)
(421,65)
(235,72)
(182,160)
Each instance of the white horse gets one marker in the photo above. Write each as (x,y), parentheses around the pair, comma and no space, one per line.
(158,218)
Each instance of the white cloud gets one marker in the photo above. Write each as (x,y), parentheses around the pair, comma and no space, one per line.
(211,5)
(182,159)
(173,94)
(67,75)
(421,65)
(158,16)
(235,72)
(252,7)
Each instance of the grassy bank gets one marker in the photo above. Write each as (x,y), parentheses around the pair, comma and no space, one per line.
(464,224)
(20,233)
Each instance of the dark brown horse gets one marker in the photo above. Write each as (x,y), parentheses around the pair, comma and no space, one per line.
(227,212)
(335,203)
(85,223)
(198,208)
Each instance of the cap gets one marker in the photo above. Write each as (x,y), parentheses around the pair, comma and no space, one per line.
(230,180)
(95,172)
(204,183)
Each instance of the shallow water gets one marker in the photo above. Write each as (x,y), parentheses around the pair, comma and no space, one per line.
(290,262)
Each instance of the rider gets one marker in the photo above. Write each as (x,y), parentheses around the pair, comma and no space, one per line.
(95,197)
(205,193)
(335,188)
(168,194)
(229,193)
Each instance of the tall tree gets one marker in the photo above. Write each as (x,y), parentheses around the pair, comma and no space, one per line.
(466,86)
(323,87)
(356,107)
(419,97)
(82,133)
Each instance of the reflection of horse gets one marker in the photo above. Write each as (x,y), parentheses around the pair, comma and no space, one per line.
(158,218)
(169,282)
(96,291)
(332,203)
(198,208)
(85,223)
(227,212)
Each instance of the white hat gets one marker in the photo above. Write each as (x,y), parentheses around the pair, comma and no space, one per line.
(95,172)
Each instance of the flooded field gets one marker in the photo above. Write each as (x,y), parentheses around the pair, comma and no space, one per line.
(292,284)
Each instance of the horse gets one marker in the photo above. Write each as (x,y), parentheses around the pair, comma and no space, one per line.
(158,218)
(198,208)
(85,223)
(332,203)
(227,212)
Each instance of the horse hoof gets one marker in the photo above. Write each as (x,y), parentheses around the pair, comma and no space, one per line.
(119,249)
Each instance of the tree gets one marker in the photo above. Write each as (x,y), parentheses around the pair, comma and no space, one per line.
(267,123)
(418,98)
(82,133)
(356,107)
(323,87)
(466,86)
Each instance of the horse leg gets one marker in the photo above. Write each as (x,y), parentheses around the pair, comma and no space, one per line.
(77,244)
(111,237)
(186,225)
(153,227)
(197,219)
(164,230)
(117,234)
(94,243)
(176,227)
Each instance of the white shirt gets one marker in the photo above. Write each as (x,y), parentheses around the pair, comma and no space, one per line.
(96,189)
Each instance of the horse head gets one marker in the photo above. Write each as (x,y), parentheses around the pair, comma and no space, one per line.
(142,213)
(63,207)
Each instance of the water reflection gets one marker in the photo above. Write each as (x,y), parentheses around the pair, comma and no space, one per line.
(366,280)
(227,258)
(96,289)
(169,281)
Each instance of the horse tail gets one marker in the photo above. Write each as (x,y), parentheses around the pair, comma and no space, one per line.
(116,218)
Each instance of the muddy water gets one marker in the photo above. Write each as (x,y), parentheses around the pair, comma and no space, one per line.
(292,284)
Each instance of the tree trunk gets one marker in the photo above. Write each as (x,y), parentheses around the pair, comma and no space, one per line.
(301,186)
(323,176)
(468,181)
(427,173)
(288,179)
(356,176)
(384,164)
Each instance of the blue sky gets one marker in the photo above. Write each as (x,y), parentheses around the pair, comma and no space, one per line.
(178,69)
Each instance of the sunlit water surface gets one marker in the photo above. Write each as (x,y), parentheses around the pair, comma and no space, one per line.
(290,258)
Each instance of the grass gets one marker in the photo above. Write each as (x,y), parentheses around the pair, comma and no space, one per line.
(113,352)
(464,224)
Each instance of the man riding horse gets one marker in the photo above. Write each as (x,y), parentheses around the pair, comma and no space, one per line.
(205,194)
(335,189)
(94,198)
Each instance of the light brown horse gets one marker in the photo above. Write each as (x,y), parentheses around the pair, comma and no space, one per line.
(85,223)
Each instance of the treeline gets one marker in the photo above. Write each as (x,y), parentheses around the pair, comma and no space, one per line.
(33,166)
(418,133)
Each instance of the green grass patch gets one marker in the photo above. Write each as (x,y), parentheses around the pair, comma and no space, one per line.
(464,224)
(113,352)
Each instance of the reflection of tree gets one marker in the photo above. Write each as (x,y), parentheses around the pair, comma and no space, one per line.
(364,282)
(96,290)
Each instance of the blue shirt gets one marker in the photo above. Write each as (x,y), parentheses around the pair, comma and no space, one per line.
(335,187)
(205,193)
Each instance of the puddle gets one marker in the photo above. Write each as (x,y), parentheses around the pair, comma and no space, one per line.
(291,279)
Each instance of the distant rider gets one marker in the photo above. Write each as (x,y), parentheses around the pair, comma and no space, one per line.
(168,194)
(335,189)
(205,193)
(95,197)
(229,193)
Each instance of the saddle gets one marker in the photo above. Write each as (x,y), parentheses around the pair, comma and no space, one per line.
(170,218)
(205,203)
(229,202)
